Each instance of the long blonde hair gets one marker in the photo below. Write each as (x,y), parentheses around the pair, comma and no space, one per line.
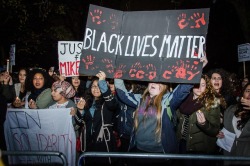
(155,101)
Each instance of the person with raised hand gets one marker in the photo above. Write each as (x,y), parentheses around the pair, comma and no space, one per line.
(96,112)
(237,121)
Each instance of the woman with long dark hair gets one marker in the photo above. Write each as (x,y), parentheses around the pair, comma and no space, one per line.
(237,121)
(39,84)
(97,111)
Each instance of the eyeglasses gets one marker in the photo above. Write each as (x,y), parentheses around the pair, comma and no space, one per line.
(94,87)
(218,78)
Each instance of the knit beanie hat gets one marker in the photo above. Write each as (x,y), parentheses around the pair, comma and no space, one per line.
(65,88)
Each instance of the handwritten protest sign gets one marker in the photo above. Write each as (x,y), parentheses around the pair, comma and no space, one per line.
(40,130)
(69,57)
(145,45)
(244,52)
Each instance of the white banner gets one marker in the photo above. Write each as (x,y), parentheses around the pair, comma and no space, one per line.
(40,130)
(69,53)
(244,52)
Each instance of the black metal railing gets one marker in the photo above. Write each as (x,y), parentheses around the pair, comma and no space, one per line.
(158,156)
(36,153)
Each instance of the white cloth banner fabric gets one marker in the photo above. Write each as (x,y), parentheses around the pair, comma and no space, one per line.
(40,130)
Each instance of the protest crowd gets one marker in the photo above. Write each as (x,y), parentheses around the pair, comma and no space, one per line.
(115,115)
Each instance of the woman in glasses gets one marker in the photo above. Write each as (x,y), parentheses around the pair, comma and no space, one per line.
(96,111)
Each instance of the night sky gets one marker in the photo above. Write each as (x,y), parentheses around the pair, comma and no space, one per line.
(223,37)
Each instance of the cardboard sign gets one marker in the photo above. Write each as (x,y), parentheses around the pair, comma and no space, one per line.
(156,46)
(244,52)
(69,57)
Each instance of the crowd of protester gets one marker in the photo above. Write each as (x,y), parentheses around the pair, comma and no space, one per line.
(115,115)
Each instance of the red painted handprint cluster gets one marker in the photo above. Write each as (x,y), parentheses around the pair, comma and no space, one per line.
(194,21)
(140,71)
(182,70)
(98,18)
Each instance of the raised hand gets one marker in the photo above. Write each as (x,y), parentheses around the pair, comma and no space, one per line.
(204,60)
(101,75)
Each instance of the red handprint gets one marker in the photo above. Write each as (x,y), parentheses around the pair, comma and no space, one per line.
(119,72)
(140,74)
(167,74)
(134,69)
(197,20)
(88,61)
(96,17)
(113,21)
(181,73)
(192,74)
(151,71)
(192,69)
(182,23)
(108,65)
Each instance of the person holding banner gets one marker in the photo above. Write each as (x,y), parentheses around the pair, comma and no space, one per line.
(97,110)
(155,119)
(39,84)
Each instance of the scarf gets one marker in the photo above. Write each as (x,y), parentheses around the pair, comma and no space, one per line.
(34,94)
(189,105)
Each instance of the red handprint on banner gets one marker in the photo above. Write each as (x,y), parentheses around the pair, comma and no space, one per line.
(88,61)
(182,23)
(136,71)
(182,70)
(167,74)
(198,19)
(97,16)
(151,69)
(113,21)
(119,71)
(108,65)
(192,70)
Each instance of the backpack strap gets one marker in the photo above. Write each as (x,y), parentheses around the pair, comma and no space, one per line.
(169,112)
